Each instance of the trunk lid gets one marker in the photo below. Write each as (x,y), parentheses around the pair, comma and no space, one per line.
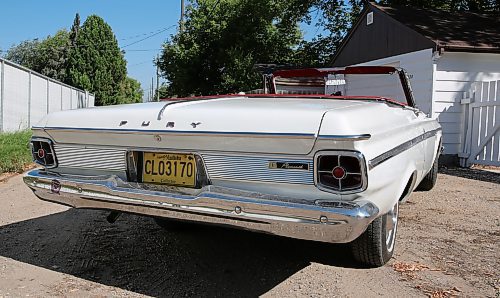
(269,125)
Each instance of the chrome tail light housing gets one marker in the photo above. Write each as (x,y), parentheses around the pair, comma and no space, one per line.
(340,171)
(43,153)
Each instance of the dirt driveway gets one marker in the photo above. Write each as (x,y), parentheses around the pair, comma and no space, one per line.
(448,244)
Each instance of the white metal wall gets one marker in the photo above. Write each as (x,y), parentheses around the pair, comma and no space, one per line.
(455,74)
(26,97)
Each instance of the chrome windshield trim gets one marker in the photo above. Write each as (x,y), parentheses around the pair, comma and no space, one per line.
(189,133)
(401,148)
(359,137)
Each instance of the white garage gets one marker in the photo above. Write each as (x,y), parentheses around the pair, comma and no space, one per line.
(454,64)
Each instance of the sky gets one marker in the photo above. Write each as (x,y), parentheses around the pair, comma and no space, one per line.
(131,22)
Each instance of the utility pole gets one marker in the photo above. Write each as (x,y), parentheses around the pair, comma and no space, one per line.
(182,17)
(157,78)
(152,89)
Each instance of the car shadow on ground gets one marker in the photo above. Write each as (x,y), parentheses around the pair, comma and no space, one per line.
(137,255)
(476,174)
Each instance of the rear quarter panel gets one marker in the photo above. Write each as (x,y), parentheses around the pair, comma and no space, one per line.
(391,128)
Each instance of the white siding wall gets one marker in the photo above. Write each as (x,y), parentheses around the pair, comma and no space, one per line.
(419,66)
(454,75)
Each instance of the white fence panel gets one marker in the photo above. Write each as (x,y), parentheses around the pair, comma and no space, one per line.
(66,98)
(482,139)
(16,86)
(26,97)
(74,99)
(39,102)
(55,97)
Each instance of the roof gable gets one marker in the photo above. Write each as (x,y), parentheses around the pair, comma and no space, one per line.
(399,30)
(384,37)
(461,31)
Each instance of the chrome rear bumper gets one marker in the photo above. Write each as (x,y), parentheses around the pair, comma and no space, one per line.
(338,222)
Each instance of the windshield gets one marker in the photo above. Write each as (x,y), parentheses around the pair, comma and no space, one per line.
(345,83)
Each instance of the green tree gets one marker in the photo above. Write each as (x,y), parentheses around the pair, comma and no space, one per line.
(333,19)
(130,91)
(25,53)
(73,35)
(96,62)
(163,90)
(47,56)
(223,40)
(55,55)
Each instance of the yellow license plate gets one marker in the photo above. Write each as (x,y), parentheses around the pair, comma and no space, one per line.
(169,168)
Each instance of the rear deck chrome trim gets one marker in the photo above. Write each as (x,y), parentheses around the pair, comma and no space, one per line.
(186,132)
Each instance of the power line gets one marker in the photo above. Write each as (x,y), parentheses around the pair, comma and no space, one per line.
(140,63)
(39,46)
(147,37)
(142,34)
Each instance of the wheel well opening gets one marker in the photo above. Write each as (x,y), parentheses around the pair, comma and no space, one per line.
(408,188)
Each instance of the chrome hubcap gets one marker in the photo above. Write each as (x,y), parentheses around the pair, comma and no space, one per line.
(391,224)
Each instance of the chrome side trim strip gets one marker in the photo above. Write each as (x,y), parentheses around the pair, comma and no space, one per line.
(189,133)
(401,148)
(359,137)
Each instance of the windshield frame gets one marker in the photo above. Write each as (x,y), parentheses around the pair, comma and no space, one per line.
(357,70)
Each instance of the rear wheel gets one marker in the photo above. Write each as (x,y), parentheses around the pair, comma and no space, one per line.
(430,179)
(375,246)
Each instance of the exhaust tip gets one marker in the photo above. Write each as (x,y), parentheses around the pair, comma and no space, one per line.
(113,216)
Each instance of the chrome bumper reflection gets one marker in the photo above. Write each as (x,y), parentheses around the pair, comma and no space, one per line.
(302,219)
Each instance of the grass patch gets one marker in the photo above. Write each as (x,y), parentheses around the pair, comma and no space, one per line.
(15,154)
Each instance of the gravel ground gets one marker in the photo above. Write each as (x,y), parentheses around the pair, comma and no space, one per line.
(448,244)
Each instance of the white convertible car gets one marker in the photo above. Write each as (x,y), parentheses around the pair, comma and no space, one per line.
(327,155)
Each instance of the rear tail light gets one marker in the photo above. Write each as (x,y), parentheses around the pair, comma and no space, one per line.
(43,152)
(340,171)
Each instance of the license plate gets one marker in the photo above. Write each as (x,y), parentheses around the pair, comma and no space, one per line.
(169,168)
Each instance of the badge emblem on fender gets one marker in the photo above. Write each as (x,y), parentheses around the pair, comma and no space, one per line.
(280,165)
